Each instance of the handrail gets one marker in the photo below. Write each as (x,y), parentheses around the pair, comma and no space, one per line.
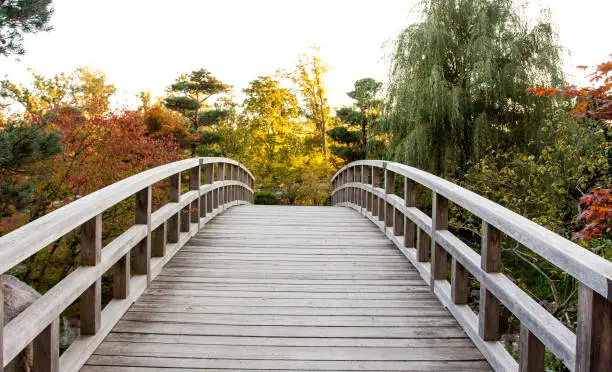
(413,232)
(153,239)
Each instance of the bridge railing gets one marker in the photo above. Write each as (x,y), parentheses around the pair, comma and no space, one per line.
(369,187)
(153,240)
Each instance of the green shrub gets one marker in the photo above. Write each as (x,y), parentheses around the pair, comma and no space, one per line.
(266,198)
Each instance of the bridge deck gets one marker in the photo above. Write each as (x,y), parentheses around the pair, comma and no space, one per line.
(288,288)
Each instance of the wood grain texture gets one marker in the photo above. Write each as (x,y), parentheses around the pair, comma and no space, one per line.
(288,288)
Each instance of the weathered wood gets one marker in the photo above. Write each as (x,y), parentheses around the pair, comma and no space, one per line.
(91,254)
(142,251)
(2,323)
(592,270)
(489,307)
(158,242)
(531,352)
(398,222)
(121,277)
(594,332)
(410,201)
(459,283)
(46,349)
(439,218)
(258,296)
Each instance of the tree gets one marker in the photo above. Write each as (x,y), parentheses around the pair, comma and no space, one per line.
(458,80)
(19,17)
(308,76)
(364,112)
(274,129)
(189,94)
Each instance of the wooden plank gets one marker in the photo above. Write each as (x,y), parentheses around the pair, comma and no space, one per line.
(91,255)
(439,221)
(121,277)
(531,352)
(594,333)
(489,306)
(267,365)
(459,283)
(142,251)
(46,349)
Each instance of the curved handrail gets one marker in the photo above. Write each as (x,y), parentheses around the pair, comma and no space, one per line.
(401,221)
(20,244)
(589,268)
(154,238)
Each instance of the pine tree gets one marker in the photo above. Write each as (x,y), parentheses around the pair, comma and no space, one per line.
(18,17)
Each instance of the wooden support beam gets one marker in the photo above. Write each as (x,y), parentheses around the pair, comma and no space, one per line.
(594,332)
(2,323)
(490,261)
(459,283)
(91,254)
(142,251)
(174,221)
(439,221)
(423,244)
(158,243)
(398,222)
(121,277)
(389,190)
(195,181)
(531,352)
(46,349)
(410,201)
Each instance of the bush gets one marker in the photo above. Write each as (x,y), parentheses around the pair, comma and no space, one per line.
(266,198)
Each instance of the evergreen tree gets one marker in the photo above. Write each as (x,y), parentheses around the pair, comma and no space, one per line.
(188,95)
(18,17)
(365,111)
(458,81)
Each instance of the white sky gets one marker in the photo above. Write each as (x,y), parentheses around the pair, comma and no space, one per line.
(146,44)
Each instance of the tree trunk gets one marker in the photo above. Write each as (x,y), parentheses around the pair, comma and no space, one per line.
(364,138)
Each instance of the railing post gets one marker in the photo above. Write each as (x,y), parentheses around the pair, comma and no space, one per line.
(46,349)
(91,254)
(594,332)
(121,277)
(142,259)
(531,352)
(389,190)
(490,261)
(375,180)
(423,245)
(174,221)
(219,200)
(439,221)
(1,322)
(409,201)
(210,170)
(194,185)
(459,283)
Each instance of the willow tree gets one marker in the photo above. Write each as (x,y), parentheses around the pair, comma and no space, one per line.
(458,80)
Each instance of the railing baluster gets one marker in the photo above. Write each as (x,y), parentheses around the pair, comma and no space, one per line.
(46,349)
(531,352)
(210,170)
(142,251)
(423,245)
(489,308)
(459,283)
(594,332)
(91,254)
(410,201)
(389,190)
(1,323)
(220,193)
(158,243)
(121,277)
(439,221)
(174,221)
(375,183)
(194,185)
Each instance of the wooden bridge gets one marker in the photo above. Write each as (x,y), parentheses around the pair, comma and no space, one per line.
(378,285)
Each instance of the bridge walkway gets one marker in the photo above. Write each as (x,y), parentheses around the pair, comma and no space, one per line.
(288,288)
